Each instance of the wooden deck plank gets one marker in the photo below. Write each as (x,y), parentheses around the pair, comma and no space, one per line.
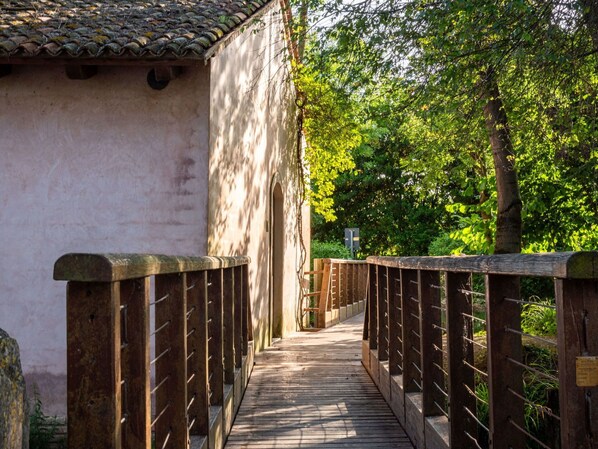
(311,391)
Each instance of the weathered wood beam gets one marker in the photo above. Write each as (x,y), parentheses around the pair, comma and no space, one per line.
(572,265)
(113,267)
(5,70)
(80,72)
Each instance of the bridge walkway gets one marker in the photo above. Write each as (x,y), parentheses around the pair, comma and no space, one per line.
(311,391)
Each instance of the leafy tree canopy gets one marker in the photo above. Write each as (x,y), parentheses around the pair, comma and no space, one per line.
(407,77)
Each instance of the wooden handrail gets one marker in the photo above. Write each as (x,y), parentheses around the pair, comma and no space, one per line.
(339,290)
(421,349)
(566,265)
(134,384)
(119,267)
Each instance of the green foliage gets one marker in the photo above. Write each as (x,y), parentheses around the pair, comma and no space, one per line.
(411,72)
(43,429)
(329,250)
(332,133)
(541,393)
(445,245)
(540,318)
(380,196)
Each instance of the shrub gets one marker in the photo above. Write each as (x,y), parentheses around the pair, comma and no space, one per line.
(329,250)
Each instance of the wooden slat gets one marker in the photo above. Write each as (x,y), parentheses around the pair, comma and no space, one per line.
(373,307)
(228,325)
(197,298)
(172,342)
(382,314)
(504,406)
(395,332)
(459,350)
(307,295)
(577,322)
(431,321)
(411,332)
(135,297)
(93,342)
(215,336)
(324,298)
(310,391)
(247,316)
(238,285)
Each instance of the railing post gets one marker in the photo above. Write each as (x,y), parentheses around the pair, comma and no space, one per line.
(395,330)
(247,324)
(432,364)
(228,325)
(411,332)
(373,307)
(171,360)
(343,289)
(505,379)
(197,301)
(461,378)
(215,337)
(577,325)
(333,304)
(239,336)
(352,286)
(94,346)
(135,322)
(382,314)
(325,294)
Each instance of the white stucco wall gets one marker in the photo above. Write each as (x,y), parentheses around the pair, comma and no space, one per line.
(100,165)
(252,141)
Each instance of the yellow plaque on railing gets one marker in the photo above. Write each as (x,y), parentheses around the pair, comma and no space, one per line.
(586,371)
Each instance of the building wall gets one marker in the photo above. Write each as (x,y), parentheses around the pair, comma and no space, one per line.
(100,165)
(252,146)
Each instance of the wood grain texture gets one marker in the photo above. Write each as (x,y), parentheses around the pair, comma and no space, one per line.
(571,265)
(171,341)
(504,378)
(372,314)
(311,391)
(577,322)
(94,402)
(135,321)
(460,378)
(118,267)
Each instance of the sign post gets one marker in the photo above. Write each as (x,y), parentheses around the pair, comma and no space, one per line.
(352,240)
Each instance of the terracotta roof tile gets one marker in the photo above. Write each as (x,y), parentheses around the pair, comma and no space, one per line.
(132,29)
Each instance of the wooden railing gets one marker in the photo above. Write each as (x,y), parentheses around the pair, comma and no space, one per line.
(339,289)
(443,341)
(161,370)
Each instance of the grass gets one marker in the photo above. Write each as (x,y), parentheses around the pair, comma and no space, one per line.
(45,432)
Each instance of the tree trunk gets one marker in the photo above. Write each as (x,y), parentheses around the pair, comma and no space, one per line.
(508,224)
(303,23)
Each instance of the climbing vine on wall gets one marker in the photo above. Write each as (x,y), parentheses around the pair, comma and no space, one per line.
(331,132)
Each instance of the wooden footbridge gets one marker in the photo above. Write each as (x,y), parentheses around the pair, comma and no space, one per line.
(445,357)
(312,391)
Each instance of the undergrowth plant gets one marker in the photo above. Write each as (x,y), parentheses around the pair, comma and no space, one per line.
(539,318)
(43,429)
